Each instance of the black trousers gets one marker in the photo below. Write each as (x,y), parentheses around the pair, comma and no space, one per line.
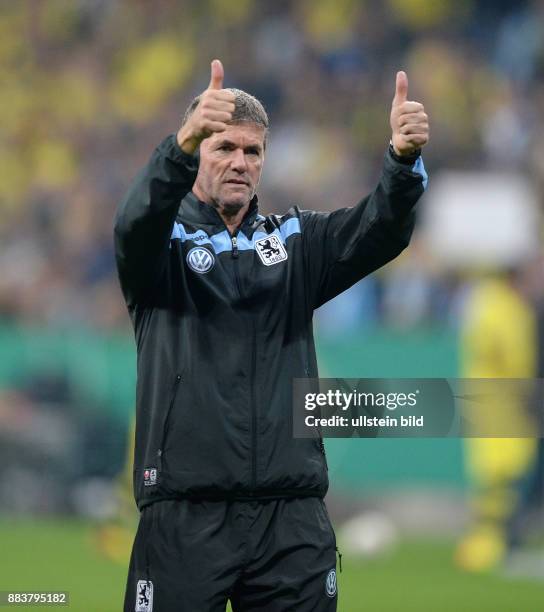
(266,556)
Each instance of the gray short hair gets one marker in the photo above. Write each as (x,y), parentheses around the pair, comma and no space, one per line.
(246,108)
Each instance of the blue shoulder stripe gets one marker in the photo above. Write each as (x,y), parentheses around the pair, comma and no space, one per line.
(222,241)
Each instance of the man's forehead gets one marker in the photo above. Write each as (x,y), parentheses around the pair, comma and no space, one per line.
(241,133)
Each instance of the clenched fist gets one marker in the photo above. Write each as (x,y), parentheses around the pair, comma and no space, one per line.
(409,121)
(211,115)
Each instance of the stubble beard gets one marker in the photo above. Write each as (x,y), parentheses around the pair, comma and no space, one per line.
(230,208)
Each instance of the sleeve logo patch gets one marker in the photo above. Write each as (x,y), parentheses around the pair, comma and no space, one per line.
(270,250)
(330,583)
(144,596)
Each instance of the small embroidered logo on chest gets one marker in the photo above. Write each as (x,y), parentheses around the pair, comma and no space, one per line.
(270,250)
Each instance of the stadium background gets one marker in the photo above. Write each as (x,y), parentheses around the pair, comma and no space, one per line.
(88,87)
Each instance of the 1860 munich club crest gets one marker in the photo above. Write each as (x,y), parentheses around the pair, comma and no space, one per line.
(144,596)
(270,250)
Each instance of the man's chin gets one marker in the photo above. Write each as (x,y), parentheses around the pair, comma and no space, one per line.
(233,203)
(232,207)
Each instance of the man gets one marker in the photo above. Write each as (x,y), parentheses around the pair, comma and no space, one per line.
(221,299)
(500,469)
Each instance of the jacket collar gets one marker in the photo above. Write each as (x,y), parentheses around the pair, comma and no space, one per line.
(197,212)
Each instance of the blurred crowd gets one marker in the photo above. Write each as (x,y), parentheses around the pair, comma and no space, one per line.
(89,87)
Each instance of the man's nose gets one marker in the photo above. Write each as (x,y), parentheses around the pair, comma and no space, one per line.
(238,161)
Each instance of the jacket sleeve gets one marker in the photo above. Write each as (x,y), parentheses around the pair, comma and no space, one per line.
(145,218)
(343,246)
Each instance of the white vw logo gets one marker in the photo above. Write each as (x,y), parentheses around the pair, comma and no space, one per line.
(330,583)
(200,260)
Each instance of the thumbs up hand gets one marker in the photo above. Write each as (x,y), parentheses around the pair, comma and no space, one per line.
(212,114)
(409,121)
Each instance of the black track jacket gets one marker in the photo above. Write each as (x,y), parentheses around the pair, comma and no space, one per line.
(224,323)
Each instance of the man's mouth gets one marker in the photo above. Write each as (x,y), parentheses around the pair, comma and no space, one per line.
(236,182)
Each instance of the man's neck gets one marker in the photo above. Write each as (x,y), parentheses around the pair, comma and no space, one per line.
(231,218)
(233,221)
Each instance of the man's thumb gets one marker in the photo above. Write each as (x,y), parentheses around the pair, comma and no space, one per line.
(401,88)
(216,82)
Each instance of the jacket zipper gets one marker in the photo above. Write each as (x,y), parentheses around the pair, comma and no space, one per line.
(234,242)
(253,409)
(322,447)
(253,486)
(253,368)
(160,450)
(321,443)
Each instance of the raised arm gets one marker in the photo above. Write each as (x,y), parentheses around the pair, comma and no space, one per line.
(344,246)
(145,218)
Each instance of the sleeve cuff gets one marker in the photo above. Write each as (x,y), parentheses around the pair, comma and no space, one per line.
(172,150)
(409,160)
